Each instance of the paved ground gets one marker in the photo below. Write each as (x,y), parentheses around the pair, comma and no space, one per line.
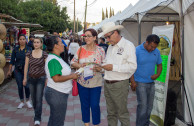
(11,116)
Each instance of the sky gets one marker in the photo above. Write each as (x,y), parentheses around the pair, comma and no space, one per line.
(94,10)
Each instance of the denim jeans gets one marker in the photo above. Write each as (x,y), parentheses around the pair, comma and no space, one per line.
(58,106)
(145,97)
(19,79)
(36,90)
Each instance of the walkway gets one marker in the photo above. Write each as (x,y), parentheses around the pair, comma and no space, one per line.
(11,116)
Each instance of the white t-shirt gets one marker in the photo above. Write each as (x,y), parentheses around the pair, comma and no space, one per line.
(73,47)
(64,87)
(67,41)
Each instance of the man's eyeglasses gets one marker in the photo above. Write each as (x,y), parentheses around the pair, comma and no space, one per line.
(109,35)
(88,36)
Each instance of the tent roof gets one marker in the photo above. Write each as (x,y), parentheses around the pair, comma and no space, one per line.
(157,14)
(10,21)
(150,11)
(9,18)
(156,10)
(21,24)
(80,32)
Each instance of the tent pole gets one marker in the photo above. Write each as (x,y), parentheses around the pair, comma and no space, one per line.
(182,55)
(139,29)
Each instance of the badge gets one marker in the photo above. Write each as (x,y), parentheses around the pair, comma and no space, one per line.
(120,50)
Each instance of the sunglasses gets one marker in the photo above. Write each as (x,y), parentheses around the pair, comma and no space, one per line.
(109,35)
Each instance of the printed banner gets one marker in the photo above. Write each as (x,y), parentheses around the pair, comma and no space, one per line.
(161,83)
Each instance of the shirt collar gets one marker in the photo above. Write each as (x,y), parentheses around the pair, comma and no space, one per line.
(120,43)
(142,46)
(55,55)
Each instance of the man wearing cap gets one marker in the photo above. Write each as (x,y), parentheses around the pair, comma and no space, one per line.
(119,65)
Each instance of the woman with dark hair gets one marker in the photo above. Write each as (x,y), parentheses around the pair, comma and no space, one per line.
(34,67)
(89,88)
(18,59)
(59,82)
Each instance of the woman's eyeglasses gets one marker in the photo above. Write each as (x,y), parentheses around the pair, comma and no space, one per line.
(88,36)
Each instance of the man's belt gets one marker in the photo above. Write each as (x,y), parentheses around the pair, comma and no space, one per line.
(112,81)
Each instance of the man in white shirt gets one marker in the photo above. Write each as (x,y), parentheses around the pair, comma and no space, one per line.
(67,41)
(119,65)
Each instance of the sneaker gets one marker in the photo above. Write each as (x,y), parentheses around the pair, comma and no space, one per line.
(29,104)
(21,105)
(37,123)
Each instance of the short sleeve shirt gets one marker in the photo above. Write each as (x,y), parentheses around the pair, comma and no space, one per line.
(36,65)
(146,62)
(54,67)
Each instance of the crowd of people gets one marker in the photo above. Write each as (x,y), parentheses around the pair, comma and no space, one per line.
(49,72)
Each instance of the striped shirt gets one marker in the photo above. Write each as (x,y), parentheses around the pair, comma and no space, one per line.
(36,65)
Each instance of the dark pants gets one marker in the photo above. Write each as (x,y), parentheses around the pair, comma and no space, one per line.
(36,90)
(71,56)
(90,98)
(58,106)
(19,79)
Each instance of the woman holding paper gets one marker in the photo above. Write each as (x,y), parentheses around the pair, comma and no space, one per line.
(59,82)
(90,80)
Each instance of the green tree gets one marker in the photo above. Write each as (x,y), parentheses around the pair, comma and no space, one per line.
(44,13)
(103,14)
(9,7)
(110,15)
(113,13)
(106,13)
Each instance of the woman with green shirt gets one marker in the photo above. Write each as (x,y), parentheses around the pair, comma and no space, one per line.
(59,82)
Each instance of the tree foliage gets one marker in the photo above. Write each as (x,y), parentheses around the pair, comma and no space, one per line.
(113,13)
(103,17)
(106,13)
(46,13)
(9,7)
(110,15)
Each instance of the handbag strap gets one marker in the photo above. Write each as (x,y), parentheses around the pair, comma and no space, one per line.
(79,53)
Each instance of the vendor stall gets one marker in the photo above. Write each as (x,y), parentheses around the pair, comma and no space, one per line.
(10,28)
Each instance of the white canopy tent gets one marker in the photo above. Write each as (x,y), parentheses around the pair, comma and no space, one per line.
(153,16)
(140,19)
(188,57)
(80,32)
